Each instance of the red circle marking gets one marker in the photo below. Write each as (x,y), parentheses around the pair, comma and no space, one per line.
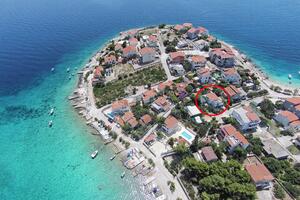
(212,86)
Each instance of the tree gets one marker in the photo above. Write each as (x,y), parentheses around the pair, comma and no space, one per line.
(171,142)
(181,149)
(239,153)
(267,108)
(278,192)
(161,26)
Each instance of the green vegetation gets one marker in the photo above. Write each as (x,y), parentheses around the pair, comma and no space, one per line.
(116,89)
(215,44)
(161,26)
(279,193)
(219,180)
(171,185)
(257,94)
(288,175)
(267,108)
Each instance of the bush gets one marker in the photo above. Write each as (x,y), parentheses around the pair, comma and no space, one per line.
(278,192)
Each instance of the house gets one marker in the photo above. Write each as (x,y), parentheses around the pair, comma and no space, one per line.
(297,141)
(152,41)
(150,139)
(181,90)
(171,125)
(246,118)
(120,106)
(233,137)
(288,119)
(193,111)
(203,31)
(148,96)
(118,47)
(161,104)
(129,52)
(147,54)
(145,120)
(260,175)
(208,154)
(222,57)
(133,123)
(133,42)
(182,44)
(131,33)
(176,57)
(98,72)
(187,25)
(204,75)
(197,61)
(110,60)
(291,103)
(177,69)
(212,99)
(192,33)
(127,116)
(162,86)
(231,75)
(179,28)
(119,120)
(235,94)
(273,148)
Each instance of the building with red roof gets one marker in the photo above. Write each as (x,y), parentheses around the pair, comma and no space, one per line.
(246,118)
(145,120)
(129,52)
(231,75)
(233,137)
(204,75)
(259,174)
(150,139)
(162,86)
(208,154)
(110,60)
(197,61)
(212,99)
(222,57)
(161,104)
(179,28)
(171,125)
(120,106)
(148,96)
(288,119)
(152,41)
(235,94)
(147,54)
(133,42)
(176,57)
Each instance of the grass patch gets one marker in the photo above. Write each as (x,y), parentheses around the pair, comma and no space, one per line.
(114,90)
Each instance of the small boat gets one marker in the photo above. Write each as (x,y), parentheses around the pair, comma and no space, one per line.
(50,123)
(70,77)
(113,157)
(68,69)
(299,72)
(51,111)
(94,154)
(52,69)
(123,175)
(290,76)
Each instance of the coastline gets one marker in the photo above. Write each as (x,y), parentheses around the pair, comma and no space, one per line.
(86,106)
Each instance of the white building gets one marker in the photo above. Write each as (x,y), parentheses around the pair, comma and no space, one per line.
(231,75)
(147,55)
(246,118)
(204,75)
(178,69)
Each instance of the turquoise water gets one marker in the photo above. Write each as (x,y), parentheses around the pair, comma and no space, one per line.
(38,162)
(42,163)
(186,136)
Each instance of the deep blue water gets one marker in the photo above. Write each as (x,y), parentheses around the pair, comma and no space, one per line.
(35,35)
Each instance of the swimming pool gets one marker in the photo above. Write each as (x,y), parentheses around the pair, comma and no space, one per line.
(187,136)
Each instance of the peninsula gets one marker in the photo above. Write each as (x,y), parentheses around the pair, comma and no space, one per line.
(238,138)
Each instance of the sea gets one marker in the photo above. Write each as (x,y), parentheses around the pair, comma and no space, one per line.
(42,163)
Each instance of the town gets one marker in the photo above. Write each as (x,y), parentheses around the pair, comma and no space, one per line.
(139,93)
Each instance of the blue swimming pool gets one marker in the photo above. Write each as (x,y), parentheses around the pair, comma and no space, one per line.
(186,135)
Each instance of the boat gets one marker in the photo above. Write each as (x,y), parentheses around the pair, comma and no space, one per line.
(68,69)
(123,175)
(113,157)
(51,111)
(94,154)
(70,77)
(290,76)
(52,69)
(299,72)
(50,123)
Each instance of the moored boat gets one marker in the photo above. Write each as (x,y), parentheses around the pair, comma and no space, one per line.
(113,157)
(290,76)
(50,123)
(123,175)
(94,154)
(51,111)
